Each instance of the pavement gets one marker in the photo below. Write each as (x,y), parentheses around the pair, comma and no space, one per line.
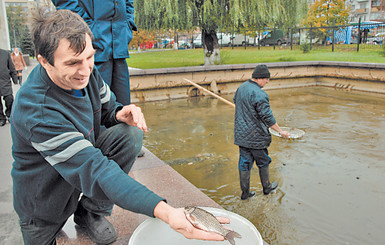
(148,170)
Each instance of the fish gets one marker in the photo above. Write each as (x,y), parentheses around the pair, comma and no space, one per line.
(206,221)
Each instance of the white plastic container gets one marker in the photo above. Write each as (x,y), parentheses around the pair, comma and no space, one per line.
(155,231)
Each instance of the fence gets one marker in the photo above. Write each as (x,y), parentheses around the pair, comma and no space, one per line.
(353,37)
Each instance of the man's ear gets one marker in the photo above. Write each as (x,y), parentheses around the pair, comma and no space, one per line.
(43,62)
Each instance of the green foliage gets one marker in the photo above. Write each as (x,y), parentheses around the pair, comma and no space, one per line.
(16,21)
(228,15)
(305,47)
(26,43)
(326,13)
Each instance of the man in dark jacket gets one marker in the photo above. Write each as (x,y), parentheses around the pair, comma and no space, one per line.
(7,70)
(253,118)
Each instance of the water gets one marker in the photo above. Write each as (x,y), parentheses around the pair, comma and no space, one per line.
(331,181)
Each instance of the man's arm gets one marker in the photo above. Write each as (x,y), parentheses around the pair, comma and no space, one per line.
(284,134)
(130,13)
(11,68)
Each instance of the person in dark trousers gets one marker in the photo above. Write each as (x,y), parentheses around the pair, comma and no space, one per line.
(253,118)
(7,71)
(64,163)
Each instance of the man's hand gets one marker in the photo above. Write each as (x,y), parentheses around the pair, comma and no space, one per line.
(284,134)
(132,115)
(177,220)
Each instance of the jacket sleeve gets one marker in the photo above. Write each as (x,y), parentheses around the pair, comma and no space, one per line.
(74,6)
(11,68)
(85,167)
(130,13)
(264,111)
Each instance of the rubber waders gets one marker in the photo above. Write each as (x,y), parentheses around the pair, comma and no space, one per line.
(264,175)
(244,178)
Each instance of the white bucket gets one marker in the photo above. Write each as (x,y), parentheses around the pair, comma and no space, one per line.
(155,231)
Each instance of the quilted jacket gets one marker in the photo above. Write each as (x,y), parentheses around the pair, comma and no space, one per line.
(253,116)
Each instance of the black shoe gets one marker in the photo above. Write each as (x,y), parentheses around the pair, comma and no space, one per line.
(98,228)
(245,196)
(141,153)
(2,123)
(272,187)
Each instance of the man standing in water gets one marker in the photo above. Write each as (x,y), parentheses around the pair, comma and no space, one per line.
(253,118)
(60,152)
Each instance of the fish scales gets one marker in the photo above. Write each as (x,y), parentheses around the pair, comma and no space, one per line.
(204,220)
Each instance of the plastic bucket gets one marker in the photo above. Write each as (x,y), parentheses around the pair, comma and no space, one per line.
(155,231)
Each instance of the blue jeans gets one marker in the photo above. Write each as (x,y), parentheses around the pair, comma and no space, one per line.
(121,143)
(115,73)
(247,156)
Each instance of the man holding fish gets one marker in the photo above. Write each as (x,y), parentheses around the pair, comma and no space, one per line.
(64,164)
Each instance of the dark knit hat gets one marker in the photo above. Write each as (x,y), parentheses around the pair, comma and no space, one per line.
(261,71)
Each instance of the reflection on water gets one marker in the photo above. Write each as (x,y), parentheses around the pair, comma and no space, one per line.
(331,181)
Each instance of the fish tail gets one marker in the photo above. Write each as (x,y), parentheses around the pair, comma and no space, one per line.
(230,237)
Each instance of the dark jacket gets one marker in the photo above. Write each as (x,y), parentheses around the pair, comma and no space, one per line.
(7,70)
(253,116)
(111,22)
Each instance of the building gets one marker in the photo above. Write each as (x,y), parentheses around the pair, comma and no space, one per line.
(367,10)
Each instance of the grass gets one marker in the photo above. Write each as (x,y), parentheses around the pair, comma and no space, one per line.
(238,55)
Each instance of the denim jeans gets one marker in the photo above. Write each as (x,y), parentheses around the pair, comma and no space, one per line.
(121,143)
(247,156)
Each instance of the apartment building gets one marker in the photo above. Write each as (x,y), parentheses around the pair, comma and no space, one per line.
(367,10)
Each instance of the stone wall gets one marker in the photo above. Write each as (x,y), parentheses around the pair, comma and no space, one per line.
(162,84)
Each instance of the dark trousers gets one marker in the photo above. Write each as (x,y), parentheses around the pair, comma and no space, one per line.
(248,156)
(115,73)
(20,78)
(8,99)
(120,143)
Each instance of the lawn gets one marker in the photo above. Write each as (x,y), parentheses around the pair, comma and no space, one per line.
(195,57)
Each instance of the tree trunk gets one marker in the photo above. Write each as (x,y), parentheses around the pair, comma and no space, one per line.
(211,47)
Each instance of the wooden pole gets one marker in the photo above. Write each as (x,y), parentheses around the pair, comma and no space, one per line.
(210,93)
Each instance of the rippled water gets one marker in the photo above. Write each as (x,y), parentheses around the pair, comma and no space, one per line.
(331,181)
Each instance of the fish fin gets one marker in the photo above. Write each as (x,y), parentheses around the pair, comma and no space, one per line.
(230,237)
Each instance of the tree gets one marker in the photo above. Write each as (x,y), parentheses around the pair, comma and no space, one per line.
(26,43)
(326,13)
(16,21)
(210,15)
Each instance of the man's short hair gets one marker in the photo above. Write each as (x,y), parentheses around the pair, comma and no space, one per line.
(48,28)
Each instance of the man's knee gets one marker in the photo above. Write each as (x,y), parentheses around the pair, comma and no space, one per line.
(121,143)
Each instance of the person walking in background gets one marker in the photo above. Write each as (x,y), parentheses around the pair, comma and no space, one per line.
(253,118)
(7,71)
(18,61)
(111,23)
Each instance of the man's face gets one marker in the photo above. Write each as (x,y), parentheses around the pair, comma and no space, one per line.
(70,70)
(263,81)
